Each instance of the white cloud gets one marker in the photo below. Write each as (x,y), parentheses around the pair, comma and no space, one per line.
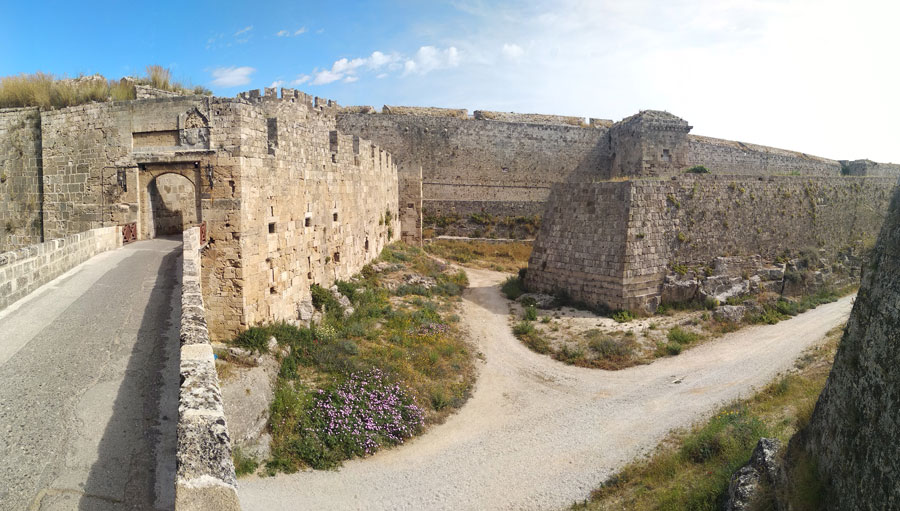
(277,83)
(325,76)
(429,58)
(348,69)
(300,80)
(512,51)
(243,30)
(288,33)
(232,76)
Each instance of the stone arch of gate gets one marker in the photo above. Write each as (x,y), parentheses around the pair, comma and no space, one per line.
(171,197)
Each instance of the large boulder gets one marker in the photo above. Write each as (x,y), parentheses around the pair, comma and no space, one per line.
(677,290)
(745,483)
(723,287)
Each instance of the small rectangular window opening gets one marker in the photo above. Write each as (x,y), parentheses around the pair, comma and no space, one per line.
(307,222)
(334,216)
(337,257)
(271,227)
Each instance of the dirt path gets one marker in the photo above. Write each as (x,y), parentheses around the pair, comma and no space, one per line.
(538,434)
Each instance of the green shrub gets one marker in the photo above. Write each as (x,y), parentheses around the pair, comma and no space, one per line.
(681,336)
(673,348)
(254,339)
(697,169)
(607,347)
(243,464)
(530,313)
(512,288)
(623,316)
(523,328)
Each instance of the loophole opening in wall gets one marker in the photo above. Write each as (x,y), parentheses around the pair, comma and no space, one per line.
(367,244)
(271,227)
(335,216)
(337,257)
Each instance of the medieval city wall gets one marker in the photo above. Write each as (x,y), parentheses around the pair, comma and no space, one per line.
(497,163)
(20,178)
(316,205)
(731,157)
(580,250)
(613,243)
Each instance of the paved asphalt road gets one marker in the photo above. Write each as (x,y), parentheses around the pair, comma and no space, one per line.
(89,385)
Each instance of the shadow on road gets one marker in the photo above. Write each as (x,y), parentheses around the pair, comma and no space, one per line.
(140,437)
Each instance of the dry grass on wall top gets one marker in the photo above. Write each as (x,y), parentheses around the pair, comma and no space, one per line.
(398,363)
(47,91)
(690,470)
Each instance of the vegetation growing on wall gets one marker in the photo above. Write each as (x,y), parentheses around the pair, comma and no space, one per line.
(47,91)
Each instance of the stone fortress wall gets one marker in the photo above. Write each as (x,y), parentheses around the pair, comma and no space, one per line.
(854,432)
(614,242)
(505,164)
(627,243)
(472,165)
(288,200)
(20,178)
(294,193)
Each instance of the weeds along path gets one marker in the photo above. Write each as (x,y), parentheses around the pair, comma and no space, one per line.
(539,434)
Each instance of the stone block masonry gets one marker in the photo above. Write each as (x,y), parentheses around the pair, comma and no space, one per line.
(20,178)
(612,243)
(494,163)
(28,268)
(854,432)
(205,478)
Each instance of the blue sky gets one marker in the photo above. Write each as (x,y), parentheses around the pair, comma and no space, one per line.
(818,76)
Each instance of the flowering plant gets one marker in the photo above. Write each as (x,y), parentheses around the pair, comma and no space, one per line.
(363,413)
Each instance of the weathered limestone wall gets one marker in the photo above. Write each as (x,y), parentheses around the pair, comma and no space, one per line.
(28,268)
(316,205)
(613,242)
(855,429)
(86,148)
(20,178)
(487,115)
(580,249)
(732,157)
(502,167)
(205,478)
(410,186)
(870,168)
(650,143)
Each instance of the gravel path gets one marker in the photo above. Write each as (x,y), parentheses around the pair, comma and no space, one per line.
(538,434)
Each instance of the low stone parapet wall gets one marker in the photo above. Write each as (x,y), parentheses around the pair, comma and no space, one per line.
(28,268)
(205,478)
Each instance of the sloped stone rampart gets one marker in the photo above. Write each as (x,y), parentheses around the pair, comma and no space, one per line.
(28,268)
(612,243)
(854,432)
(205,478)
